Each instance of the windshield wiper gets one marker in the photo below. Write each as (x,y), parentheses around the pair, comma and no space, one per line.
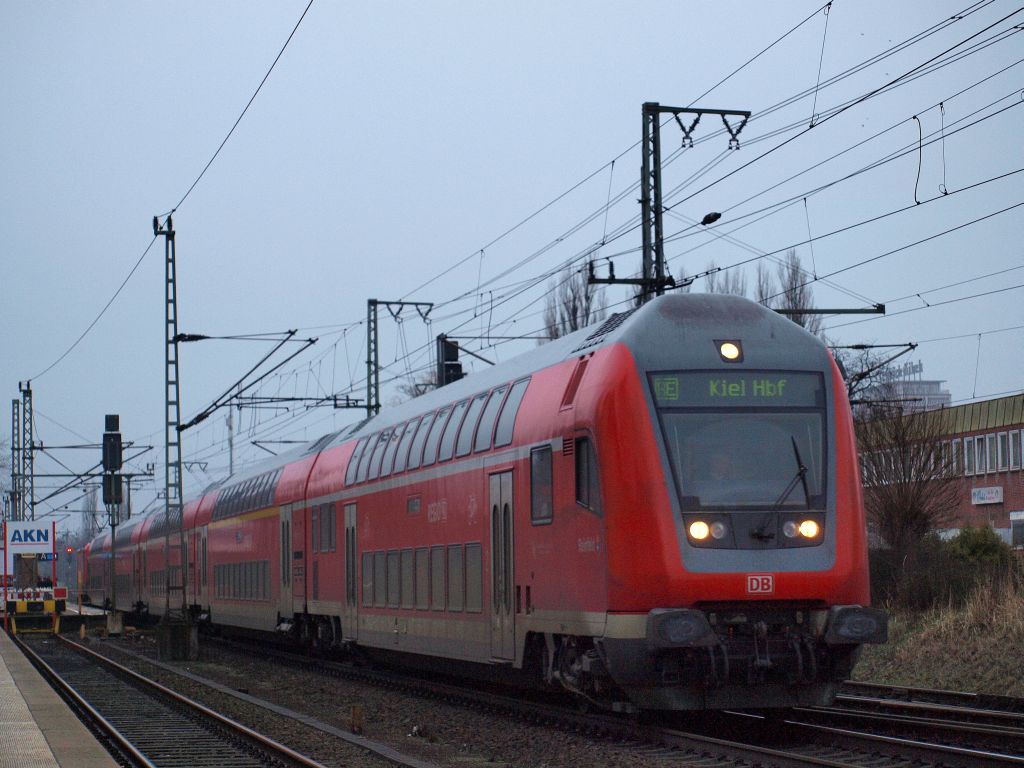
(761,533)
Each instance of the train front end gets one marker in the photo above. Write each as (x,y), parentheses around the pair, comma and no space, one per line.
(737,549)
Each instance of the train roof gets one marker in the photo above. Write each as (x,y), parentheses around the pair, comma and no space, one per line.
(659,333)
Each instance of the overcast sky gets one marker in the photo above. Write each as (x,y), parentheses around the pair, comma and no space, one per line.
(394,146)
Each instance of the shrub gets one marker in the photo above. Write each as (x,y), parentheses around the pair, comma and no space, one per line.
(982,546)
(937,573)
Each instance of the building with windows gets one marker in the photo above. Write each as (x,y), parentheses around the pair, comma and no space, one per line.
(985,440)
(982,443)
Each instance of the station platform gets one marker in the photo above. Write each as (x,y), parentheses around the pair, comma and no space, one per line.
(37,728)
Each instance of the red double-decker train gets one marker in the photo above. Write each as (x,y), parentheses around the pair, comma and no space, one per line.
(660,511)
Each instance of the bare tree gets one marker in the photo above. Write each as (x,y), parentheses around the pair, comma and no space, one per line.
(572,303)
(792,290)
(764,287)
(725,281)
(910,475)
(417,384)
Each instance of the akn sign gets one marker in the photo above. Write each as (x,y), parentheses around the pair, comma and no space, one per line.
(26,536)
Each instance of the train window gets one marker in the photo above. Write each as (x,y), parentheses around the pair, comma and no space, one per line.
(314,530)
(437,586)
(402,456)
(422,579)
(327,528)
(507,419)
(367,579)
(474,578)
(587,489)
(412,505)
(541,509)
(416,452)
(389,454)
(465,442)
(736,458)
(353,462)
(394,580)
(485,431)
(448,440)
(332,526)
(378,453)
(380,578)
(268,490)
(364,460)
(284,555)
(430,451)
(456,585)
(408,569)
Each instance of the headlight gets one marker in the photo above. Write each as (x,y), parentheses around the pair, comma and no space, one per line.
(699,530)
(709,531)
(809,529)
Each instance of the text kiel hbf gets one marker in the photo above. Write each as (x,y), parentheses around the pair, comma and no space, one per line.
(757,388)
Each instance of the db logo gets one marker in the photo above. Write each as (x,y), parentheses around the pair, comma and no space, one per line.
(760,583)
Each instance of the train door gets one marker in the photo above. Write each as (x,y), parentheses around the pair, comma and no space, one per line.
(298,544)
(350,615)
(503,630)
(284,607)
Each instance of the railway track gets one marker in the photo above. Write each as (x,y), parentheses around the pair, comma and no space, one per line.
(993,724)
(145,724)
(1000,707)
(735,739)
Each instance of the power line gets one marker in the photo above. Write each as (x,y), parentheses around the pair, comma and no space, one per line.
(852,104)
(103,311)
(246,109)
(184,197)
(972,335)
(935,304)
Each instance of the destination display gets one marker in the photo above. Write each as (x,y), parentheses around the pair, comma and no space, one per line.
(714,389)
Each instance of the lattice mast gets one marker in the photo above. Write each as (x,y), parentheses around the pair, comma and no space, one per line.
(172,432)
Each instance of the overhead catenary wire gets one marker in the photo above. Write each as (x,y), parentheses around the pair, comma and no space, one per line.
(179,204)
(534,282)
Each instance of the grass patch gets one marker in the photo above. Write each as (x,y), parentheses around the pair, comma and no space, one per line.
(973,647)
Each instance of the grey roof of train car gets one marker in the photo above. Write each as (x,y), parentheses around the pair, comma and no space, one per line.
(642,329)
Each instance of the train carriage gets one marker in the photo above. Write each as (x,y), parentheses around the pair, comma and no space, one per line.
(662,509)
